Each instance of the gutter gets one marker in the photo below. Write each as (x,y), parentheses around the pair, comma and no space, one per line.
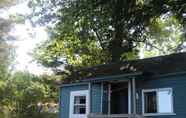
(74,84)
(101,79)
(112,77)
(169,74)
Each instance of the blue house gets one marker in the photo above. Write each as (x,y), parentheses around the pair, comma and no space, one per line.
(146,88)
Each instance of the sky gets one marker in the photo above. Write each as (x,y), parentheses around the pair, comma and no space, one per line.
(27,38)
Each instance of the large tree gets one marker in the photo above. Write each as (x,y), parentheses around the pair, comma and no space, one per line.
(87,29)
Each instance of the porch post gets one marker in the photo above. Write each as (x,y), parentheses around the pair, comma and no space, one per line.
(89,89)
(129,97)
(109,98)
(102,92)
(134,95)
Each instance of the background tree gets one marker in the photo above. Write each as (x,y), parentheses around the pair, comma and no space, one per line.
(22,92)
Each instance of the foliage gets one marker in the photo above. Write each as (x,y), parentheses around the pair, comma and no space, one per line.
(21,94)
(165,35)
(72,52)
(43,11)
(91,32)
(6,53)
(22,91)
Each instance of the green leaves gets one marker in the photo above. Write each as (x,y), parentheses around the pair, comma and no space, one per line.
(164,36)
(92,32)
(21,93)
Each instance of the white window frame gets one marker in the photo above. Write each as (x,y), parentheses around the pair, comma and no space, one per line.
(71,107)
(157,90)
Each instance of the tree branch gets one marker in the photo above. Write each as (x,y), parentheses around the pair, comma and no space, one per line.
(99,38)
(148,43)
(155,47)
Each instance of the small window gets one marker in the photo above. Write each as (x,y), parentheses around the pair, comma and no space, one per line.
(79,104)
(158,101)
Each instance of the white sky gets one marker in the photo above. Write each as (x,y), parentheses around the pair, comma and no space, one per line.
(27,39)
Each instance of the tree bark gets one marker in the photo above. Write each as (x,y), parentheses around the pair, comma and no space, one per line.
(119,44)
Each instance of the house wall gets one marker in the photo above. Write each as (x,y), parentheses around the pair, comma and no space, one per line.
(65,98)
(96,98)
(177,83)
(105,98)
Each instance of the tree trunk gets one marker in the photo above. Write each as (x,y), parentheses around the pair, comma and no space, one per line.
(119,44)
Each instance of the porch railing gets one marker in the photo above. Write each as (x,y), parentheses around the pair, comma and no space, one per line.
(114,116)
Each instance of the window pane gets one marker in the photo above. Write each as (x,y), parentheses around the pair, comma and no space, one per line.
(79,104)
(79,100)
(150,102)
(79,109)
(165,101)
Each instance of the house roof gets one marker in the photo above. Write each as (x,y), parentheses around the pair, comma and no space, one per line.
(150,66)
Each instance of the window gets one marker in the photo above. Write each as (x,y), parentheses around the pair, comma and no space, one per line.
(79,104)
(157,101)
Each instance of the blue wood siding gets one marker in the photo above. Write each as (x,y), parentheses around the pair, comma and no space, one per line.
(177,83)
(105,98)
(65,98)
(96,98)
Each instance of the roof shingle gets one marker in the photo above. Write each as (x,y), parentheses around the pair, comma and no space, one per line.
(154,66)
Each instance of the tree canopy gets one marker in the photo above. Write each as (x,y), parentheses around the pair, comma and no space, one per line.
(91,32)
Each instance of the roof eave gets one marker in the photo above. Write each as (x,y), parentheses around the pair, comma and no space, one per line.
(113,77)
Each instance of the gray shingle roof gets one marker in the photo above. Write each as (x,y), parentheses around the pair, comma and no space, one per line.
(152,66)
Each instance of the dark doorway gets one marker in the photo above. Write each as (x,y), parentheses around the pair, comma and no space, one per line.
(119,98)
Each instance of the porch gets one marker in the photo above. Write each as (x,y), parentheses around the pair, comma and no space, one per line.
(121,100)
(115,116)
